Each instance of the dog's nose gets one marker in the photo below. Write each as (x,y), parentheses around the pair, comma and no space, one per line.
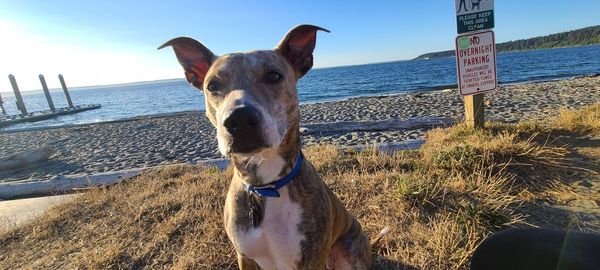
(242,120)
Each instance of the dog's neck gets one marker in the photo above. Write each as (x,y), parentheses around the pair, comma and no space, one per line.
(269,164)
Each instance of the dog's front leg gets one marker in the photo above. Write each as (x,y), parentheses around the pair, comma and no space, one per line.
(246,264)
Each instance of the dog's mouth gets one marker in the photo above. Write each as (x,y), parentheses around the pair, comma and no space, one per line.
(247,142)
(245,146)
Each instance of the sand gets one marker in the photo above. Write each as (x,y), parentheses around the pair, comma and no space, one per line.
(189,137)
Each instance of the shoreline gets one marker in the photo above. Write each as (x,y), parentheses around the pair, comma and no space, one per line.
(440,88)
(186,137)
(135,118)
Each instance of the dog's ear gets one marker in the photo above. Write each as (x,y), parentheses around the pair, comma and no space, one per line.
(194,57)
(298,45)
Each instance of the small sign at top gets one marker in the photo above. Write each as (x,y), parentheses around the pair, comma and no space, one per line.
(474,15)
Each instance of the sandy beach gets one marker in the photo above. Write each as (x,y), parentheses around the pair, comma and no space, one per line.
(189,137)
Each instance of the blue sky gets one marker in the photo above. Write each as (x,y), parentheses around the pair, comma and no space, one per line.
(104,42)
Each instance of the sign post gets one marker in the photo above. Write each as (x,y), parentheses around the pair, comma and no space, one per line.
(475,56)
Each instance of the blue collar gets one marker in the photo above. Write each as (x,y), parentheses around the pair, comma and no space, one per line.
(270,190)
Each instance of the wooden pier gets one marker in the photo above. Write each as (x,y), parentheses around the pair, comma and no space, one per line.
(25,116)
(44,115)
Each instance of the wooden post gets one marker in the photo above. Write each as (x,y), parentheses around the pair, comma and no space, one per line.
(474,111)
(47,93)
(64,87)
(2,105)
(15,87)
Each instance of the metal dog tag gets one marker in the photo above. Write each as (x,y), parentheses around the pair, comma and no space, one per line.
(255,213)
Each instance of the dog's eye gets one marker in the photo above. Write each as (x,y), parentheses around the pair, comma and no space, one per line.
(273,77)
(213,87)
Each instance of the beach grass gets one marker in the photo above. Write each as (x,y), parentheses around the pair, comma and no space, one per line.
(585,120)
(440,201)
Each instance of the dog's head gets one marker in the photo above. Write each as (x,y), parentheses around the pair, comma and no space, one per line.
(250,97)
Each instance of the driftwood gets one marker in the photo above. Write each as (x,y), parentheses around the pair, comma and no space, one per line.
(390,148)
(26,158)
(60,184)
(382,125)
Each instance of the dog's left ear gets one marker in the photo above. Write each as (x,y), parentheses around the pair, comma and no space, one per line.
(194,57)
(298,46)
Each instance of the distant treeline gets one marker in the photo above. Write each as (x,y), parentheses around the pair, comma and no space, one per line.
(579,37)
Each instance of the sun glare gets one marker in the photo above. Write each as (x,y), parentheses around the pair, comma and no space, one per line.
(27,54)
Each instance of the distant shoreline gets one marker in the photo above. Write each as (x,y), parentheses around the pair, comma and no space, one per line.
(452,53)
(587,36)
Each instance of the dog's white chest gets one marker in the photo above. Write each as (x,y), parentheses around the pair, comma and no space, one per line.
(275,244)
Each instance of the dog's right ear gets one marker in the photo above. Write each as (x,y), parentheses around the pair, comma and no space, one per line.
(298,45)
(194,57)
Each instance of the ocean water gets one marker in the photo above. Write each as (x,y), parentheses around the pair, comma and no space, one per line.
(149,98)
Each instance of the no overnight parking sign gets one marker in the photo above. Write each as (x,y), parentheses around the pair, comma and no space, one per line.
(476,63)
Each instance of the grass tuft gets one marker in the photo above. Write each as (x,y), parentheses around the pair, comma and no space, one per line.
(584,120)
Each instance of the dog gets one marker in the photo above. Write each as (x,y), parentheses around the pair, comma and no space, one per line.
(278,213)
(475,3)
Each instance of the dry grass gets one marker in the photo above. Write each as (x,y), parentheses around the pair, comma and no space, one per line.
(440,202)
(584,120)
(169,217)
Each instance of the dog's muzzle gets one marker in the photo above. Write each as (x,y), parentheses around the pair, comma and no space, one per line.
(245,126)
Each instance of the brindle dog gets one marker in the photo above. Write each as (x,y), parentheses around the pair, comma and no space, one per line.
(252,101)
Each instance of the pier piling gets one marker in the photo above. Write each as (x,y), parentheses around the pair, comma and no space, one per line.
(15,87)
(64,87)
(2,105)
(11,119)
(47,93)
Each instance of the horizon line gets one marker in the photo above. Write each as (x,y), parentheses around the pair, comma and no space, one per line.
(182,78)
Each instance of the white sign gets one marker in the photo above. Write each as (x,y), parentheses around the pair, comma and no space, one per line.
(474,15)
(476,63)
